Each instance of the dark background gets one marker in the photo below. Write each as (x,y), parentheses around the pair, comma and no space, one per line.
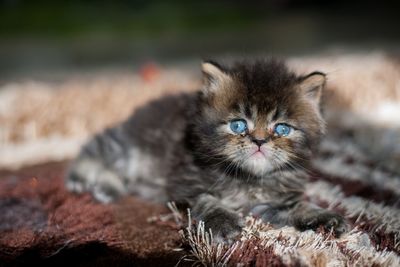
(41,38)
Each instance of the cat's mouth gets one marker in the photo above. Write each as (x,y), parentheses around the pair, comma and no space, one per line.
(258,153)
(257,160)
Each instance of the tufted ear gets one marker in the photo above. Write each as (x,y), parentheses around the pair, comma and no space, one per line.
(311,86)
(214,76)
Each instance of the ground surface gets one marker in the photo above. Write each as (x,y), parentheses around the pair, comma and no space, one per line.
(43,224)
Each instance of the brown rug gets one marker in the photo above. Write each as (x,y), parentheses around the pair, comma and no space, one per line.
(43,224)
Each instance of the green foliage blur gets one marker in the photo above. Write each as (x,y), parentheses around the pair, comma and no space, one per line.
(41,35)
(74,18)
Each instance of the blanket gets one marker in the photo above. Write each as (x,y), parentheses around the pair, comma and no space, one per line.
(42,223)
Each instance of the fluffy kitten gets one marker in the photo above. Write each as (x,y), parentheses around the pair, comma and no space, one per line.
(240,145)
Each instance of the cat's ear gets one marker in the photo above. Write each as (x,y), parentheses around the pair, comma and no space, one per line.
(311,86)
(214,76)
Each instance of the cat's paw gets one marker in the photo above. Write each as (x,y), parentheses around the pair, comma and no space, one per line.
(316,218)
(108,188)
(225,226)
(76,183)
(105,186)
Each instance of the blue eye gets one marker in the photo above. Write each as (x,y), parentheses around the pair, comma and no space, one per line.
(238,126)
(282,129)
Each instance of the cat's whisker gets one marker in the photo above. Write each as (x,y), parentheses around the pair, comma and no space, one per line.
(291,155)
(297,164)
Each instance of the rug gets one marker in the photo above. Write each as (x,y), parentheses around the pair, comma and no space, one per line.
(42,223)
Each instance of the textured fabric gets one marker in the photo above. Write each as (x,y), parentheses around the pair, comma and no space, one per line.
(42,223)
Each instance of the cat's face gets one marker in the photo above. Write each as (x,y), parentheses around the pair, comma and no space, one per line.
(260,117)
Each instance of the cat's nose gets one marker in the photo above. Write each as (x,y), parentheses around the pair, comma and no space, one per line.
(259,142)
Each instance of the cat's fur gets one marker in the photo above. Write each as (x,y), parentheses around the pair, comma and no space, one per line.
(180,148)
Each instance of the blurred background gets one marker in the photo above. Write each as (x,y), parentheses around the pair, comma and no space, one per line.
(70,68)
(43,38)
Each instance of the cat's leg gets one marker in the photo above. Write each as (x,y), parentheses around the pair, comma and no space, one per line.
(100,167)
(224,223)
(302,215)
(90,174)
(306,216)
(190,185)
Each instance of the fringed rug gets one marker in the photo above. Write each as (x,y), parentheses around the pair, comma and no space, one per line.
(42,223)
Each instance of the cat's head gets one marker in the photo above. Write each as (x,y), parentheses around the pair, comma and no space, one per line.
(258,116)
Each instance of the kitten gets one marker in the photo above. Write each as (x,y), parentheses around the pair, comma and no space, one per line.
(242,144)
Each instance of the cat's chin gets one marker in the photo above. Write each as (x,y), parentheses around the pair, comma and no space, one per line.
(258,164)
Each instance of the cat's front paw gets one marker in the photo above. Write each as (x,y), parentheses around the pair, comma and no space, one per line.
(225,226)
(316,218)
